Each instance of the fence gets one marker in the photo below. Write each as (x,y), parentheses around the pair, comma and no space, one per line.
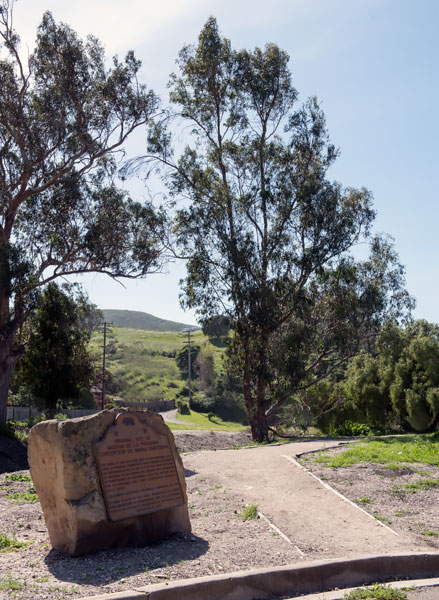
(22,413)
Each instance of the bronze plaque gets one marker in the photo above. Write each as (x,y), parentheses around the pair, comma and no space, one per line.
(137,469)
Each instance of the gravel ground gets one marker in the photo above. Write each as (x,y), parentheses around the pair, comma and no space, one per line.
(381,492)
(221,540)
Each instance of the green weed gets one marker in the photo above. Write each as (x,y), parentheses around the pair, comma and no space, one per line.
(28,497)
(249,512)
(8,583)
(7,544)
(17,477)
(384,520)
(424,484)
(430,533)
(376,592)
(364,500)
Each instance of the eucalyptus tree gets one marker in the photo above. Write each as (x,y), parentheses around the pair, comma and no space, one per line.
(63,117)
(265,233)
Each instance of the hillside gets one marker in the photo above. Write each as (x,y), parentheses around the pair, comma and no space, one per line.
(141,367)
(133,319)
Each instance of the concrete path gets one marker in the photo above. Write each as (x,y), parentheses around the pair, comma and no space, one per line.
(170,416)
(316,520)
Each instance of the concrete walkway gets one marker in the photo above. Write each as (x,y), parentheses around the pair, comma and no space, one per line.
(170,416)
(315,518)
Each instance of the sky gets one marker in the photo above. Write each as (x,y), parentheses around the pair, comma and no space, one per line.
(372,65)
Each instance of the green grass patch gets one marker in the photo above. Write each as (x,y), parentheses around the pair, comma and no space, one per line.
(28,497)
(364,500)
(423,449)
(17,477)
(7,544)
(376,592)
(201,421)
(430,533)
(249,512)
(8,583)
(424,484)
(381,518)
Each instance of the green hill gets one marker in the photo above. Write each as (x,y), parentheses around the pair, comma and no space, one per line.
(134,319)
(141,365)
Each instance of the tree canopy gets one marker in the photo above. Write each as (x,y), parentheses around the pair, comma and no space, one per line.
(57,365)
(63,118)
(265,232)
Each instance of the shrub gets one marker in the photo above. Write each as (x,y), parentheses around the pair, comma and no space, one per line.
(182,407)
(351,429)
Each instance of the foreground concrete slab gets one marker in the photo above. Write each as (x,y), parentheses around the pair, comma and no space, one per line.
(295,580)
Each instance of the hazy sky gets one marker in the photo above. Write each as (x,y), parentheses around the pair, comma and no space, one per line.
(371,63)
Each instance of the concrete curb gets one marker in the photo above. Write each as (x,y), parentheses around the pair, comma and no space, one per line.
(293,580)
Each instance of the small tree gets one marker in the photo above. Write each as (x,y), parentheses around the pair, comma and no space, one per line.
(57,365)
(217,326)
(266,234)
(63,117)
(182,360)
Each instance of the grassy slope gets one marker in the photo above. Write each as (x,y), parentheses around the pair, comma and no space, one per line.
(144,361)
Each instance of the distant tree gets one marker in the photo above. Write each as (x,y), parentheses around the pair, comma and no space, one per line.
(182,360)
(217,326)
(57,365)
(205,366)
(265,233)
(63,117)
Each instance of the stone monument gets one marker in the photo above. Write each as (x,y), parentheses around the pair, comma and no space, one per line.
(114,478)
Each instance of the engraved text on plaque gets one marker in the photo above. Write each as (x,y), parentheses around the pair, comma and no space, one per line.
(137,469)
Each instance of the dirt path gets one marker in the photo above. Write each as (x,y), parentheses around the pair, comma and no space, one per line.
(314,518)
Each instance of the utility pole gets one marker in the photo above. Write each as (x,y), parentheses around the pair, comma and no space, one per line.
(189,330)
(105,323)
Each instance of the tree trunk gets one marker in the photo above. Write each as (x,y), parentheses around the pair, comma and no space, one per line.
(255,408)
(255,403)
(259,425)
(7,364)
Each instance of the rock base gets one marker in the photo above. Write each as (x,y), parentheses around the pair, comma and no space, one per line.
(65,475)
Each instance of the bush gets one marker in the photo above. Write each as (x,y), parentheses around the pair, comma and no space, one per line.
(182,407)
(351,429)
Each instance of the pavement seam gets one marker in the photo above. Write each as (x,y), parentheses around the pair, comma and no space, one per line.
(328,487)
(279,532)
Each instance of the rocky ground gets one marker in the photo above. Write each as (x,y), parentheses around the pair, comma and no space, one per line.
(221,540)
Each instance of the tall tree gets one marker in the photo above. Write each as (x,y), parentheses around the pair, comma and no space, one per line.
(57,365)
(63,118)
(265,233)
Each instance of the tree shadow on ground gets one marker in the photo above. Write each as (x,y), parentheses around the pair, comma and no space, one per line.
(107,566)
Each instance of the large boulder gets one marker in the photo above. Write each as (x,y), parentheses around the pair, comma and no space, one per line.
(85,480)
